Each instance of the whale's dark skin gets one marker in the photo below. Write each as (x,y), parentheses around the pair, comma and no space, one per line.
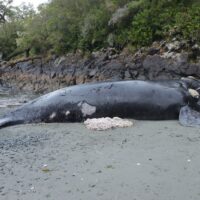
(146,100)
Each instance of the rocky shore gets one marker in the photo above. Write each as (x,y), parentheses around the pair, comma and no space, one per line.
(163,60)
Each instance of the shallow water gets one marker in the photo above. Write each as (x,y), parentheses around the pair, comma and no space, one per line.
(10,98)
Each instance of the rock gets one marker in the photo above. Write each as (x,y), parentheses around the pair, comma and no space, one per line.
(59,61)
(142,77)
(160,61)
(168,55)
(112,70)
(175,46)
(196,47)
(53,75)
(127,75)
(154,65)
(191,70)
(92,73)
(181,58)
(153,50)
(195,51)
(134,73)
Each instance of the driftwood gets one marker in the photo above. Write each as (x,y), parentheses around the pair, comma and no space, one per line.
(14,62)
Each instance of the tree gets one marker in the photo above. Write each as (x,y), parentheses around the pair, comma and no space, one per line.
(5,10)
(62,26)
(11,25)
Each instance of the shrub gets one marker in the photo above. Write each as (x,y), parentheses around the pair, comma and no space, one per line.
(188,23)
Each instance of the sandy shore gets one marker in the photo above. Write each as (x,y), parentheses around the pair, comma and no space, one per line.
(150,161)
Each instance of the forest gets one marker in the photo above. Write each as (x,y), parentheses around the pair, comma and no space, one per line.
(63,26)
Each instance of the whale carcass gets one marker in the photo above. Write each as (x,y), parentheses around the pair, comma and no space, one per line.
(142,100)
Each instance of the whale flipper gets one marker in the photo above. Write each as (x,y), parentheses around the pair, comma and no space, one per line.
(189,117)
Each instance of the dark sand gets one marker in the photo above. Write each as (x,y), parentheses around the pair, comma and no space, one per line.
(149,161)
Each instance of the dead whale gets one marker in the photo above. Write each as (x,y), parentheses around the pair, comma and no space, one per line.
(142,100)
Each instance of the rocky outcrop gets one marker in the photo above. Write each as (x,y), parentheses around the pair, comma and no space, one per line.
(160,61)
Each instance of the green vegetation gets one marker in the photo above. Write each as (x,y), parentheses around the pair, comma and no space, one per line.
(67,25)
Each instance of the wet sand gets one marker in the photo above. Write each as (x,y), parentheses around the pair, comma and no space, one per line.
(149,161)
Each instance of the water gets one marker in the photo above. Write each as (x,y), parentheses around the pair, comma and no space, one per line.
(10,99)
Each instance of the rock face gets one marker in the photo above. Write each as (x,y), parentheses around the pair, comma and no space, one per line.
(161,61)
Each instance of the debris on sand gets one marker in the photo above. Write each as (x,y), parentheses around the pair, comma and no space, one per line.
(101,124)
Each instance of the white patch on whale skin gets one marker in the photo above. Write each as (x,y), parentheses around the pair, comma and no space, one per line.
(80,104)
(67,113)
(87,109)
(53,115)
(193,93)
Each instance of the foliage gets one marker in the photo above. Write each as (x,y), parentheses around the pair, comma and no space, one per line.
(11,23)
(8,38)
(158,18)
(61,26)
(6,10)
(94,29)
(151,25)
(188,23)
(34,34)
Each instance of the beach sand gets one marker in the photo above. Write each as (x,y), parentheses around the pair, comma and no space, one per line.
(153,160)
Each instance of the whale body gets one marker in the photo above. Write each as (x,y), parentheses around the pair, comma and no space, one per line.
(142,100)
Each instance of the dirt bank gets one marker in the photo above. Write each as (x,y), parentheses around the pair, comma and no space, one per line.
(149,161)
